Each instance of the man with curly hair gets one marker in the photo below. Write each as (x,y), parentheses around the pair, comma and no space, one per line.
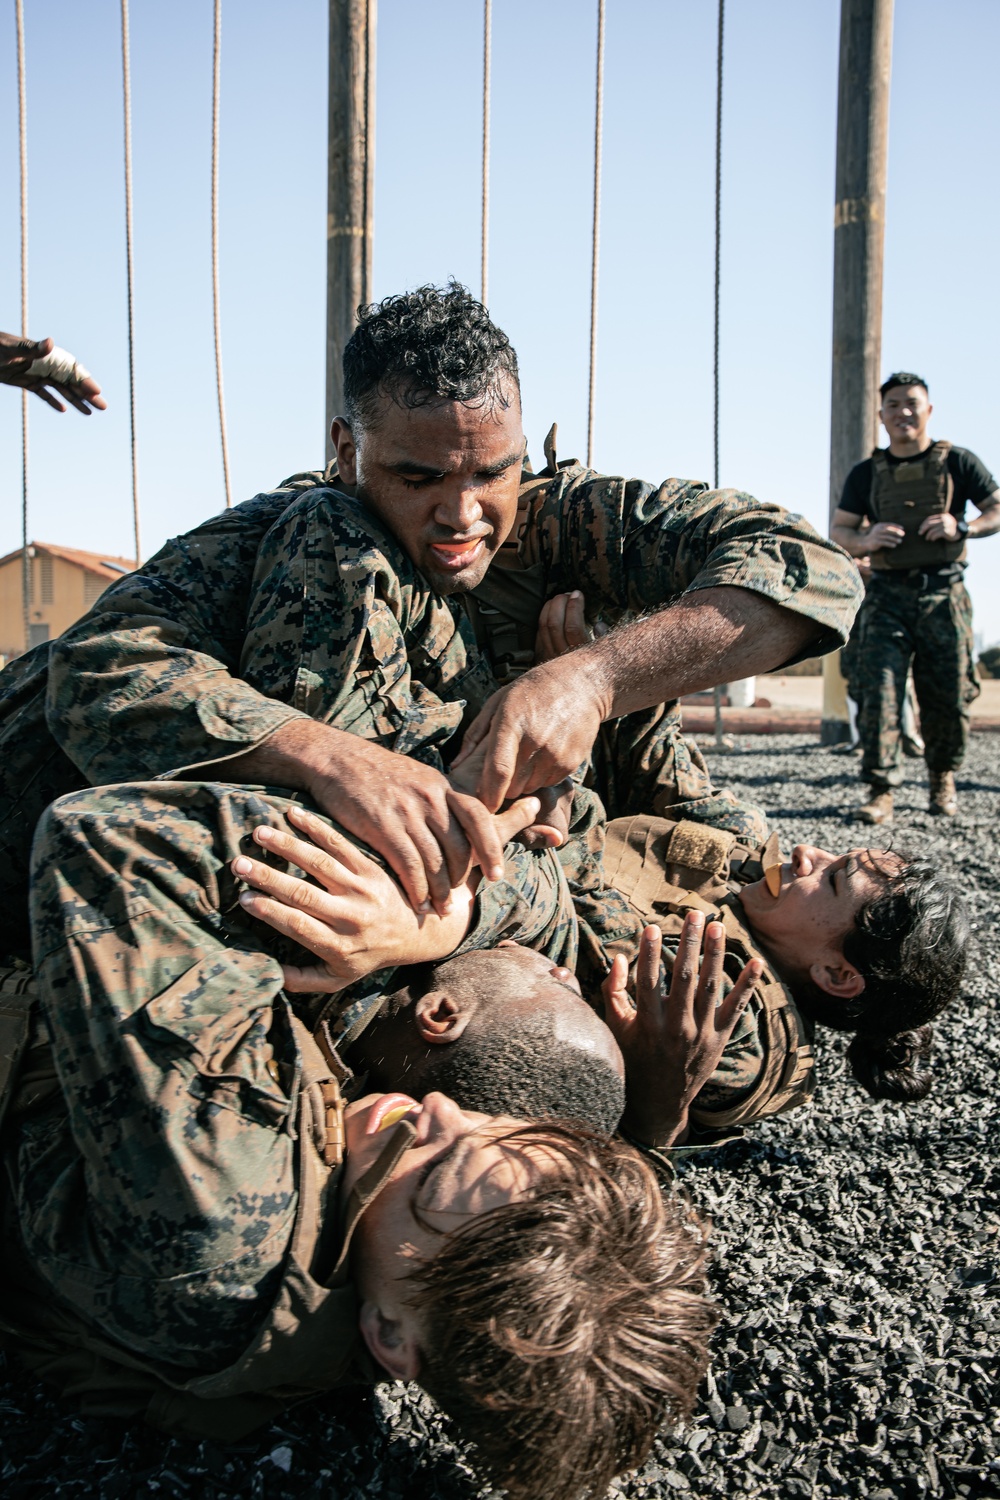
(339,635)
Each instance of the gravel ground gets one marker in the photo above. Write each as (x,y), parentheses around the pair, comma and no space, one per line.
(857,1251)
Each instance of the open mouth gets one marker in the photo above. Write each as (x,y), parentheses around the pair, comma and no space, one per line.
(772,879)
(389,1110)
(455,555)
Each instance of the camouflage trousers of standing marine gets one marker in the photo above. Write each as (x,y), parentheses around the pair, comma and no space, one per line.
(903,623)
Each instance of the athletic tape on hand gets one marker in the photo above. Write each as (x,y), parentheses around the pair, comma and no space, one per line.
(59,366)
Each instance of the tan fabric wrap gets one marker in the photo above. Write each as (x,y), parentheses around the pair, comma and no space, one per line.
(307,1343)
(640,861)
(905,494)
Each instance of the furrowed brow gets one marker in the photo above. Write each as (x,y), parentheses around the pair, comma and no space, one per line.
(502,466)
(408,466)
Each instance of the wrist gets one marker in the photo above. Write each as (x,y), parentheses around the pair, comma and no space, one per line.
(596,663)
(655,1135)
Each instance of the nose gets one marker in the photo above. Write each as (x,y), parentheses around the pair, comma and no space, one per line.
(441,1119)
(804,857)
(460,509)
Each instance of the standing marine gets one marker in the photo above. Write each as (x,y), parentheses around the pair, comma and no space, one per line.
(905,509)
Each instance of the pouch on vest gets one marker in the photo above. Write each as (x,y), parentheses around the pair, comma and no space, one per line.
(905,494)
(639,861)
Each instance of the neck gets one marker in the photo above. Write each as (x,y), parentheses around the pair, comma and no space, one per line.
(909,447)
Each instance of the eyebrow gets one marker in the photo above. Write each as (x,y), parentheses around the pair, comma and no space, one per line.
(431,471)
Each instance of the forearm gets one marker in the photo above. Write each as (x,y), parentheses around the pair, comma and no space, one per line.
(987,523)
(710,636)
(852,539)
(299,754)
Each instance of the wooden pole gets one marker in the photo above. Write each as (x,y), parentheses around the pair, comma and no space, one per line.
(858,240)
(349,185)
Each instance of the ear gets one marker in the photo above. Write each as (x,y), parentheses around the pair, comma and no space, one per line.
(346,450)
(835,976)
(389,1344)
(440,1017)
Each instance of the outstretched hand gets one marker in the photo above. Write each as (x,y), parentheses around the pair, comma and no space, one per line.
(673,1041)
(43,369)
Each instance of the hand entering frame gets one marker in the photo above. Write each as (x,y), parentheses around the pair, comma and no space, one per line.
(673,1040)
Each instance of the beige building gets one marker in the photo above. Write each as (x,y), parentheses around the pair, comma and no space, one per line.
(65,582)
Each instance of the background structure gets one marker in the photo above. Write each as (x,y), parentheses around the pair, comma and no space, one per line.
(942,307)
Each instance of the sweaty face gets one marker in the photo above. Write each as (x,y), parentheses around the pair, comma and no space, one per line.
(905,413)
(817,902)
(444,479)
(457,1168)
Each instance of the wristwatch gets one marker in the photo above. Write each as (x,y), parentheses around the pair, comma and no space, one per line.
(962,529)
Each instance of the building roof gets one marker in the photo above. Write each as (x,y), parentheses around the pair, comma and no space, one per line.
(104,564)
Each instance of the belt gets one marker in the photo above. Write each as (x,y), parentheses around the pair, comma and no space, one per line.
(924,578)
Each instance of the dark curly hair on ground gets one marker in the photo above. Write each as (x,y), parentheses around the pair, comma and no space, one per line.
(561,1330)
(910,942)
(434,344)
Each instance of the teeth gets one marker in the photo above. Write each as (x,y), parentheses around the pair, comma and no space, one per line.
(772,879)
(393,1117)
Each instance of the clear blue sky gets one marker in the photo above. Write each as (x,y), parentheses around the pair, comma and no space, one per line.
(942,311)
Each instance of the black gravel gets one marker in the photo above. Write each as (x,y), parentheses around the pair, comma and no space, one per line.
(857,1253)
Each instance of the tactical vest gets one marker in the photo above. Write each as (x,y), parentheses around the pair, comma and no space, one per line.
(645,858)
(905,494)
(309,1340)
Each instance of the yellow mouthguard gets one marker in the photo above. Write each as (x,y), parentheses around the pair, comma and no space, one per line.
(393,1117)
(772,878)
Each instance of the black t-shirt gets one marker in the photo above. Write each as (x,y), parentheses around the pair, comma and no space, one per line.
(970,477)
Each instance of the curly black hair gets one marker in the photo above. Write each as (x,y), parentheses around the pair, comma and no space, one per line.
(910,942)
(434,344)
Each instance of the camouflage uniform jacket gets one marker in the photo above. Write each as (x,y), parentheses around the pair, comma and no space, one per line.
(297,603)
(648,869)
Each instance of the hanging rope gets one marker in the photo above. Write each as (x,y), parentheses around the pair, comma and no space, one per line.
(718,268)
(127,98)
(216,77)
(484,281)
(22,130)
(718,232)
(595,241)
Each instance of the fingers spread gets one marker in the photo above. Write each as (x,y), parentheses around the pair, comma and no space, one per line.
(648,989)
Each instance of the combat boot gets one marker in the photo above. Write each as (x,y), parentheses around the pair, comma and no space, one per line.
(878,809)
(944,799)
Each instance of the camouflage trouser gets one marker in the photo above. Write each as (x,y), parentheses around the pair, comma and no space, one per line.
(930,627)
(643,764)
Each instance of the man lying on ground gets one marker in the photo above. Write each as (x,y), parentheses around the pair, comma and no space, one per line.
(865,942)
(337,636)
(197,1230)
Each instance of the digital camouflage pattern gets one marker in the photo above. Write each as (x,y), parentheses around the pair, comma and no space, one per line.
(162,1189)
(925,621)
(297,603)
